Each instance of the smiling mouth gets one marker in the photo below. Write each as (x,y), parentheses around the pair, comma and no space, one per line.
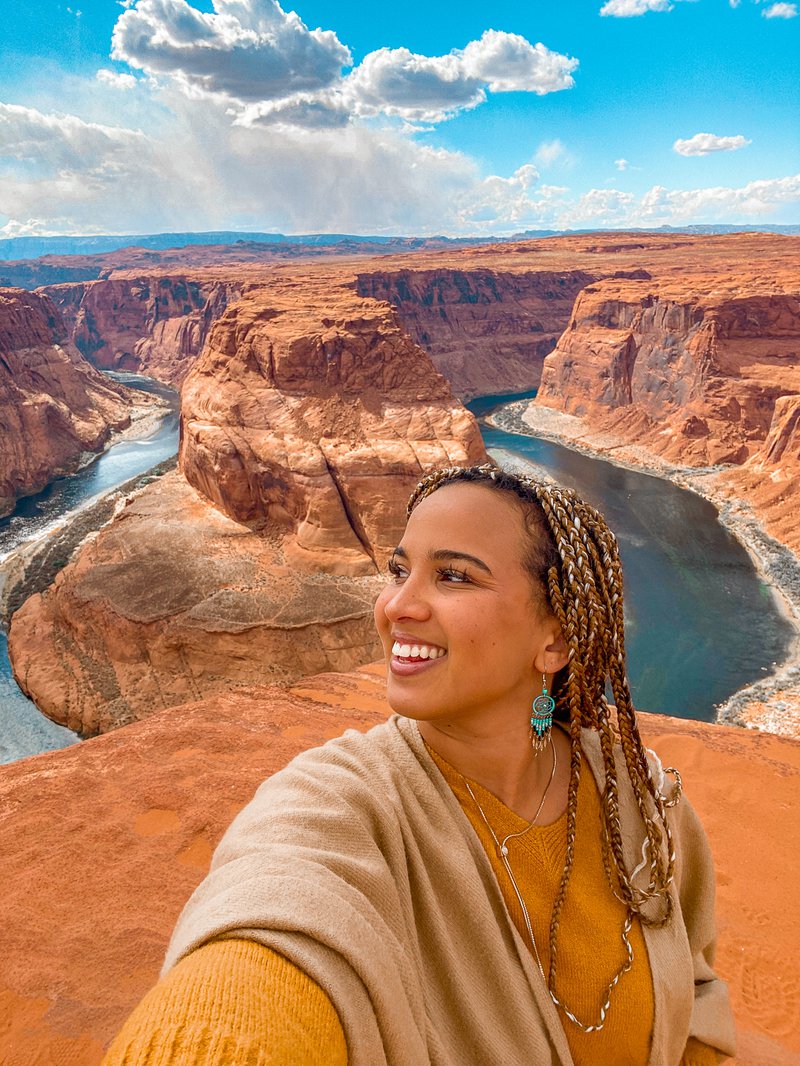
(416,653)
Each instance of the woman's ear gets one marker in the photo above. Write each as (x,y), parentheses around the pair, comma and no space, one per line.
(553,653)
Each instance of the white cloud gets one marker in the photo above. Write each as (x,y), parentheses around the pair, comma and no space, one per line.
(423,88)
(551,152)
(706,143)
(780,11)
(116,80)
(621,164)
(631,8)
(431,88)
(510,63)
(268,64)
(246,50)
(63,142)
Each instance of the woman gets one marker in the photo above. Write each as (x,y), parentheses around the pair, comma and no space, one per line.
(473,883)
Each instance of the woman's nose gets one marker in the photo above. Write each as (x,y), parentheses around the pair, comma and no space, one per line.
(406,601)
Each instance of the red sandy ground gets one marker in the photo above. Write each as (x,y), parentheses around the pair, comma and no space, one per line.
(103,843)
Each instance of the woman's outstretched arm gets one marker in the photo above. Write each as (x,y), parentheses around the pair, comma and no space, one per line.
(232,1001)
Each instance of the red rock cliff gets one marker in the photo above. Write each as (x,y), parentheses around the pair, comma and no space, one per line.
(486,330)
(692,375)
(306,422)
(154,325)
(318,415)
(54,407)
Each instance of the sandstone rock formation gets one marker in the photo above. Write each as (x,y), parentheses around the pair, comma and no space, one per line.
(55,409)
(305,424)
(318,415)
(155,325)
(174,601)
(698,369)
(133,817)
(692,374)
(486,330)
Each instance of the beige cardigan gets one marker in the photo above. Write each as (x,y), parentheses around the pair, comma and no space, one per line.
(357,863)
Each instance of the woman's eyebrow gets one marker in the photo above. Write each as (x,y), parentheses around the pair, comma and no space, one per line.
(446,553)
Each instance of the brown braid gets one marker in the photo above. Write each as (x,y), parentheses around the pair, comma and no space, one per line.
(573,558)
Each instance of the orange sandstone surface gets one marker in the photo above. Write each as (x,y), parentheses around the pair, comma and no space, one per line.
(103,843)
(304,425)
(55,409)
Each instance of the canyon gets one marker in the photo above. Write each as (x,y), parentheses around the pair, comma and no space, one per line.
(304,425)
(316,390)
(55,408)
(207,615)
(133,817)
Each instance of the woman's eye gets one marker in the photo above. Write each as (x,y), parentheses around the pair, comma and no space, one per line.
(396,571)
(453,576)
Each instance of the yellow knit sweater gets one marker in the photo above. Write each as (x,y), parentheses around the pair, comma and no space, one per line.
(237,1002)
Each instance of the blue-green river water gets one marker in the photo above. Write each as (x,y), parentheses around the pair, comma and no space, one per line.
(700,622)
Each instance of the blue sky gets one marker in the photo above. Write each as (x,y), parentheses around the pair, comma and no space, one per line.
(150,115)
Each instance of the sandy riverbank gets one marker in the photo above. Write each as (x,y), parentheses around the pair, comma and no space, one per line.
(771,703)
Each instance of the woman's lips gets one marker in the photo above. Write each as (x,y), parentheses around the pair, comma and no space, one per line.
(409,659)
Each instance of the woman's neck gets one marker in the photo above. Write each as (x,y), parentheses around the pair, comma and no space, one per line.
(507,766)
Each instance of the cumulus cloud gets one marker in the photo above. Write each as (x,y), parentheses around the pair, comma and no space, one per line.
(116,80)
(780,11)
(621,164)
(421,88)
(629,8)
(63,142)
(510,63)
(706,143)
(273,70)
(247,50)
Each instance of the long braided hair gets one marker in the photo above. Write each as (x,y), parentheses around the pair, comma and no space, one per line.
(572,556)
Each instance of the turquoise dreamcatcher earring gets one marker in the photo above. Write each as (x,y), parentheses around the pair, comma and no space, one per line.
(542,718)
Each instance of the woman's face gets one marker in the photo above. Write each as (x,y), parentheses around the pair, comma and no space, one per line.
(465,633)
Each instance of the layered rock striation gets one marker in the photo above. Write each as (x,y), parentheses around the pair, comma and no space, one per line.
(55,409)
(703,373)
(693,376)
(155,325)
(317,417)
(305,424)
(486,330)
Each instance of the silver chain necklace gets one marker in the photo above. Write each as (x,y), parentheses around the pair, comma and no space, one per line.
(502,850)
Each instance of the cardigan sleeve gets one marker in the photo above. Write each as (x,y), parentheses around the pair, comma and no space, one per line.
(712,1019)
(232,1001)
(697,1054)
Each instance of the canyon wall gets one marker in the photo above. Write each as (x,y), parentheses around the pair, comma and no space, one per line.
(305,424)
(694,377)
(104,842)
(55,409)
(486,330)
(155,325)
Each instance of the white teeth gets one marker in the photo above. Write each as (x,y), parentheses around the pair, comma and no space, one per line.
(416,651)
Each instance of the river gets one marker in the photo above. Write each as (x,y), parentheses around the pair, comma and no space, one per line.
(700,623)
(24,730)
